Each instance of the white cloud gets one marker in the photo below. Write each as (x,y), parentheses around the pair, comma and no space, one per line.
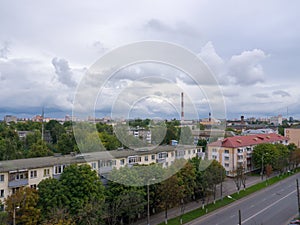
(64,72)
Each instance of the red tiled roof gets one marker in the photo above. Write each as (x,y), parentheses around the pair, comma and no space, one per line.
(243,141)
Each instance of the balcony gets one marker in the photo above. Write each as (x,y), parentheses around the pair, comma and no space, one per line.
(17,183)
(240,160)
(56,176)
(106,169)
(161,160)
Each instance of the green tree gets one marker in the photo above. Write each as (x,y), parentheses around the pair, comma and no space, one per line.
(56,129)
(67,143)
(39,149)
(83,189)
(24,203)
(51,196)
(170,193)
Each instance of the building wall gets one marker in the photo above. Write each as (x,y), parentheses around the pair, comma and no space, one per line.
(35,175)
(293,135)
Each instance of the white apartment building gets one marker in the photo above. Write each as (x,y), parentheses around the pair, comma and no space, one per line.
(29,172)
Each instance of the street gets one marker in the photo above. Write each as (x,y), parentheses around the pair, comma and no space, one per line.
(274,205)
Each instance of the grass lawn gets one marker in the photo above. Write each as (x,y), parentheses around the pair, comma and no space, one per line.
(220,203)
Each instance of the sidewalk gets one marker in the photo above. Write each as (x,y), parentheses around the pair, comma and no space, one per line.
(228,189)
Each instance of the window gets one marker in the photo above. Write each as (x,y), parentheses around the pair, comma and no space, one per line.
(194,151)
(46,172)
(214,157)
(94,165)
(122,162)
(189,152)
(162,155)
(226,151)
(134,159)
(172,154)
(2,178)
(59,169)
(226,164)
(2,193)
(226,158)
(33,186)
(33,174)
(215,150)
(153,157)
(146,158)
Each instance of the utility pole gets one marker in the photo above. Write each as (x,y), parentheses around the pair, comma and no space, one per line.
(298,196)
(148,208)
(262,167)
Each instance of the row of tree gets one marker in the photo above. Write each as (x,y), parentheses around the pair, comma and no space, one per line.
(269,157)
(79,197)
(60,138)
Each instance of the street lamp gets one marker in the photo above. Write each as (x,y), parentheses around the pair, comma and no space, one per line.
(262,165)
(14,214)
(148,200)
(240,215)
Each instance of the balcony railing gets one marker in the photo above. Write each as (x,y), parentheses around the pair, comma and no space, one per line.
(17,183)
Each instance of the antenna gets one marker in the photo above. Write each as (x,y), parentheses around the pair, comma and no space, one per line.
(182,108)
(43,123)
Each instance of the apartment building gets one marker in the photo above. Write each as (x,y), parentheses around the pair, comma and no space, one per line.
(233,152)
(294,135)
(29,172)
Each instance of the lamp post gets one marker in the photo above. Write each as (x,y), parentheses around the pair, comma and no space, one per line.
(262,165)
(14,214)
(148,200)
(240,215)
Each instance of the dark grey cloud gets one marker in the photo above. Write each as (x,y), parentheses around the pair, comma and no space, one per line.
(64,72)
(281,93)
(261,95)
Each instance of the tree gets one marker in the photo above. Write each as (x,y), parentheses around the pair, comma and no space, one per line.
(170,194)
(27,213)
(239,178)
(67,143)
(56,129)
(51,196)
(202,142)
(39,149)
(264,154)
(186,137)
(83,189)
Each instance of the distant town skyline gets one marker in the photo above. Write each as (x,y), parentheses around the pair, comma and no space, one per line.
(252,48)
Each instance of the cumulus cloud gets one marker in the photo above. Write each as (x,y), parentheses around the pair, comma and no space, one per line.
(246,68)
(281,93)
(64,72)
(243,69)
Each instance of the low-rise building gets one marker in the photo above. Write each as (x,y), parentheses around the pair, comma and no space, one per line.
(294,135)
(234,152)
(30,172)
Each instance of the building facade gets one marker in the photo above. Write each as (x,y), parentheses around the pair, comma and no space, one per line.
(294,135)
(30,172)
(234,152)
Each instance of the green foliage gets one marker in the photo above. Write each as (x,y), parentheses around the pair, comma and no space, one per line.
(276,155)
(24,202)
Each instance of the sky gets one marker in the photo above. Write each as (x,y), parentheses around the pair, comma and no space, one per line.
(251,47)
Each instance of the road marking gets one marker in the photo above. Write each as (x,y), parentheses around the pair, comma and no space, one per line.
(274,203)
(251,206)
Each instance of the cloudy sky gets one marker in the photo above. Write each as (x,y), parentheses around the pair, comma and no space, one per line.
(252,48)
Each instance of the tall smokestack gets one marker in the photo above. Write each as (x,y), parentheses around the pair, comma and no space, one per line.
(182,108)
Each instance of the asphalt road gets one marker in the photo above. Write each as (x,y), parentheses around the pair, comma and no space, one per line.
(274,205)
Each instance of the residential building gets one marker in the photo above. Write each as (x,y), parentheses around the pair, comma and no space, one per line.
(234,152)
(30,172)
(276,120)
(259,131)
(10,118)
(294,135)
